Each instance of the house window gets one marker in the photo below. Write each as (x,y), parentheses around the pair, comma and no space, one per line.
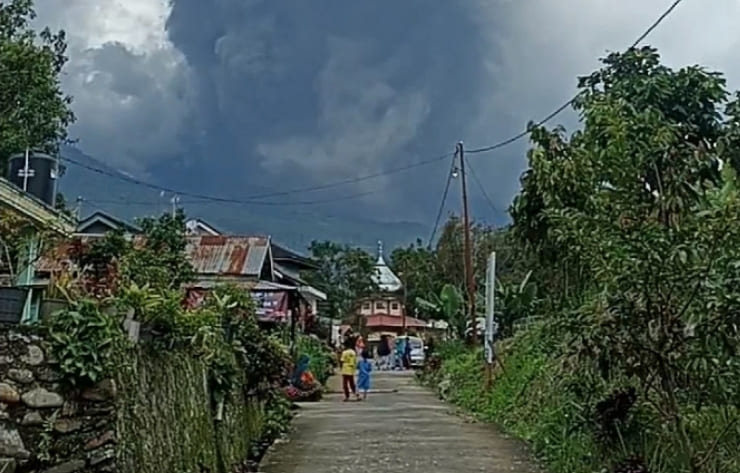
(380,305)
(365,306)
(394,306)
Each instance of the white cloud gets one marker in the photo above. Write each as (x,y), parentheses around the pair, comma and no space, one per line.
(539,47)
(129,83)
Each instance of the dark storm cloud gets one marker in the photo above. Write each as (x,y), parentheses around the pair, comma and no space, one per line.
(331,88)
(243,96)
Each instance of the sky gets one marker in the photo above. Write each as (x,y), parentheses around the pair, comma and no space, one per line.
(242,97)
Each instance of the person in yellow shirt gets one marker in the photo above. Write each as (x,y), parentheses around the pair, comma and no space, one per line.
(348,363)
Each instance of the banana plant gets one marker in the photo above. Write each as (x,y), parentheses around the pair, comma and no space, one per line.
(448,305)
(514,302)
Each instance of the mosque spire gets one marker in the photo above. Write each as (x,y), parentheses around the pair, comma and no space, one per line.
(384,276)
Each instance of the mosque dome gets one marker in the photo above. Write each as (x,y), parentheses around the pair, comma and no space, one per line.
(384,277)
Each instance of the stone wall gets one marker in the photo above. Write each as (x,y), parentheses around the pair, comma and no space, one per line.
(155,415)
(44,427)
(165,418)
(242,424)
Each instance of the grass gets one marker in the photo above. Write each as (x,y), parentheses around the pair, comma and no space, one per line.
(533,400)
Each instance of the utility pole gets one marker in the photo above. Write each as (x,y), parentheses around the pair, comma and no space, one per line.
(468,251)
(175,200)
(403,310)
(78,208)
(26,170)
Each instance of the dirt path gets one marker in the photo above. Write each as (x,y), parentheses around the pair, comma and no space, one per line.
(407,431)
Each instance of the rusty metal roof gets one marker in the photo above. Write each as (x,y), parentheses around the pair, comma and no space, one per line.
(228,255)
(210,255)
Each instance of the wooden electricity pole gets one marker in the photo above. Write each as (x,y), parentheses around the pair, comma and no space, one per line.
(468,251)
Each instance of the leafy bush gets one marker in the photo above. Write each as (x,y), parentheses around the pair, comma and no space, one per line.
(83,339)
(276,423)
(321,361)
(575,423)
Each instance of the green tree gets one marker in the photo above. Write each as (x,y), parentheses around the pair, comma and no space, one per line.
(512,259)
(416,266)
(34,111)
(160,260)
(636,234)
(344,274)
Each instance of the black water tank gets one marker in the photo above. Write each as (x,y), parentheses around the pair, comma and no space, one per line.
(42,175)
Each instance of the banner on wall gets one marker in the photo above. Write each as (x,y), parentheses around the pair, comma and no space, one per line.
(271,306)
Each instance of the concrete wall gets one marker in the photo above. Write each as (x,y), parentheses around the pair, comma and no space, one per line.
(381,305)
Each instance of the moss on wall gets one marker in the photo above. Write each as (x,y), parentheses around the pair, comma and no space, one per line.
(240,428)
(165,421)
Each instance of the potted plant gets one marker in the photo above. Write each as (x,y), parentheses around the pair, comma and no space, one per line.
(56,297)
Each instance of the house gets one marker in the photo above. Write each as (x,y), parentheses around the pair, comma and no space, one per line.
(100,223)
(22,289)
(384,313)
(289,268)
(245,262)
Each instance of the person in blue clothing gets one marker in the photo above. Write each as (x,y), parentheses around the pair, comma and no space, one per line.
(400,350)
(364,367)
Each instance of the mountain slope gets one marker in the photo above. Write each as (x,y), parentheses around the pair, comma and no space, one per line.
(296,226)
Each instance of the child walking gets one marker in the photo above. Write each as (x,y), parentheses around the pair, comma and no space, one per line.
(363,379)
(349,365)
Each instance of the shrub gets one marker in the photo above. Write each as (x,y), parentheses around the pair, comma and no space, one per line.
(321,358)
(83,339)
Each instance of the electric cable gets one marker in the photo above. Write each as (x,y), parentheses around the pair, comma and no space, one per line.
(444,200)
(560,109)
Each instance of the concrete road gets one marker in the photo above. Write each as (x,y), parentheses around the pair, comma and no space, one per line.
(407,431)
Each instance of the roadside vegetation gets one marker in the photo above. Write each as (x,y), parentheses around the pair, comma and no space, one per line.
(623,356)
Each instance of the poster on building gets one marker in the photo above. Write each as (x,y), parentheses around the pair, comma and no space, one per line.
(271,306)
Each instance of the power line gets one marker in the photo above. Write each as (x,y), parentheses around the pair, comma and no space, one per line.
(208,201)
(560,109)
(482,189)
(444,200)
(254,198)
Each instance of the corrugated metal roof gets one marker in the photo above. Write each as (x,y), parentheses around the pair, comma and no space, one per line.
(248,284)
(210,255)
(228,255)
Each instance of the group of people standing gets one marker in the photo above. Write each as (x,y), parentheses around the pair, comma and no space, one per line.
(392,355)
(349,366)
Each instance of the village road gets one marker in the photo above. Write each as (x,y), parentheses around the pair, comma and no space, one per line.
(406,431)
